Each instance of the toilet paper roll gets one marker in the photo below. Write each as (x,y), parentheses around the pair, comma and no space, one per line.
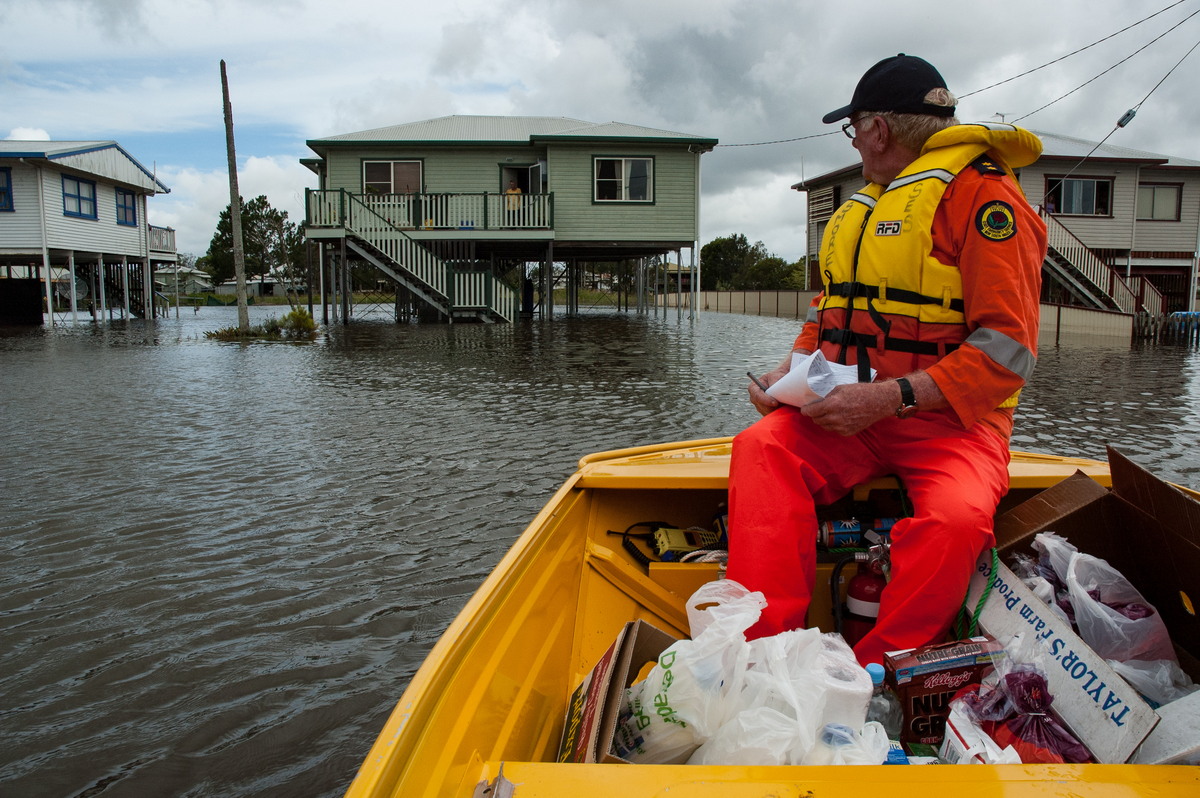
(845,683)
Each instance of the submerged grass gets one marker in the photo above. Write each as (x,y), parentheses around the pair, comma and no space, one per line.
(298,325)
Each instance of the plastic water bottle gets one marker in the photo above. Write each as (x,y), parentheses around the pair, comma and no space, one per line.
(884,707)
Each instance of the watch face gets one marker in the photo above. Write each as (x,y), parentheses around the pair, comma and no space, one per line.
(906,411)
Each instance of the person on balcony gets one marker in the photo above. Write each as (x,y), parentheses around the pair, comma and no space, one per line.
(931,279)
(512,204)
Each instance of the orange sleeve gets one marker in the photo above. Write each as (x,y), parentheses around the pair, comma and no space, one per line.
(1001,273)
(808,338)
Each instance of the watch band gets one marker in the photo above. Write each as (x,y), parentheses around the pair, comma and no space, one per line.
(908,399)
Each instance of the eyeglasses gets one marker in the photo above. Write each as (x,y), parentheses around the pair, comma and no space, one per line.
(848,128)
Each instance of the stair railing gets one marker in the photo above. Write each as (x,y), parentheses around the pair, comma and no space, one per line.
(1099,273)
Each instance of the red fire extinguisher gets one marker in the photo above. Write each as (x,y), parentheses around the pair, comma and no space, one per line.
(863,594)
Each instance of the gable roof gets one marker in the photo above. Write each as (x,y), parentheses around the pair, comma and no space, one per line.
(105,159)
(1055,146)
(485,130)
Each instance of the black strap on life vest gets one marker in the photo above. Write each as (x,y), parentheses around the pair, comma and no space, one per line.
(871,292)
(863,343)
(847,337)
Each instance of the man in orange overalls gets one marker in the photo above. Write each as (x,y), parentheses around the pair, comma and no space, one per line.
(931,279)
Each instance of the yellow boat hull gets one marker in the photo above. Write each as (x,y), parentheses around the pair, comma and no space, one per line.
(484,713)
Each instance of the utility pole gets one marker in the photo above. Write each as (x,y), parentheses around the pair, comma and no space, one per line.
(235,209)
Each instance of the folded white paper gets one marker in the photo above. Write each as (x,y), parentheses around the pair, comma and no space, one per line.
(811,378)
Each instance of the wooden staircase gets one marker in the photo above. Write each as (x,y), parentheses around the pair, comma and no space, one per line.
(1091,281)
(455,291)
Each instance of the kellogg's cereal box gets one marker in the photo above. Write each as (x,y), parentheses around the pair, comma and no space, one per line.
(926,678)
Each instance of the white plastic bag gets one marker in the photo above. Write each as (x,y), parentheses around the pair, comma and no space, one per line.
(773,717)
(1160,681)
(682,702)
(967,743)
(842,745)
(1095,588)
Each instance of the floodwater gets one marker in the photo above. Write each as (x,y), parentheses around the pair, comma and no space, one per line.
(221,563)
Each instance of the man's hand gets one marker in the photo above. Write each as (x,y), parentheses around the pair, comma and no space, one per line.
(762,403)
(849,409)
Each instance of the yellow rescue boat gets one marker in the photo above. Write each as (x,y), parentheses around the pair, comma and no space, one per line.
(484,714)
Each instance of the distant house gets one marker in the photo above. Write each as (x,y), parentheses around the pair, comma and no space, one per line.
(1123,224)
(450,210)
(74,230)
(174,279)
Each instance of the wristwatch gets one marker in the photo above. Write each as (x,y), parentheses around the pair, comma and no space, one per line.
(908,399)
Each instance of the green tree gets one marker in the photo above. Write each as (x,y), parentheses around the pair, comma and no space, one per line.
(272,244)
(769,273)
(724,258)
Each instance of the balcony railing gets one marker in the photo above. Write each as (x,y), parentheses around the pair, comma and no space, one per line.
(482,211)
(162,239)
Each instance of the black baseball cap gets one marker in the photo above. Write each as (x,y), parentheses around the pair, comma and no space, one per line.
(898,84)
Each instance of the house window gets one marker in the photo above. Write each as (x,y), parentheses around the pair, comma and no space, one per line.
(391,177)
(126,208)
(6,198)
(1079,196)
(1158,202)
(624,180)
(79,197)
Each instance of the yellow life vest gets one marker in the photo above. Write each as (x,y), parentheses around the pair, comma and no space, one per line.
(895,319)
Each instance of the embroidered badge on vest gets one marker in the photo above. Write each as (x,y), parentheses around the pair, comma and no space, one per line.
(888,228)
(995,221)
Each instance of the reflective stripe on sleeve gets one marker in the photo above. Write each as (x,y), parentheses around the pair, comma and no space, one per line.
(812,316)
(1004,351)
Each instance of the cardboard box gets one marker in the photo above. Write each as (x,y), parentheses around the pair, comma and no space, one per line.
(592,711)
(926,678)
(1148,530)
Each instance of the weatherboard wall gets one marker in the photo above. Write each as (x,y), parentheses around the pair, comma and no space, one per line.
(21,228)
(444,169)
(671,216)
(101,234)
(1172,236)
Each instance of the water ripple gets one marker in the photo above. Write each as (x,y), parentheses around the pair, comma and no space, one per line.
(220,564)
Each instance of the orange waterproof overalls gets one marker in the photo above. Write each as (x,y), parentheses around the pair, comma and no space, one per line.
(939,272)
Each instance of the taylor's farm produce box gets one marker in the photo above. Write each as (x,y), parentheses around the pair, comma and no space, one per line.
(1150,532)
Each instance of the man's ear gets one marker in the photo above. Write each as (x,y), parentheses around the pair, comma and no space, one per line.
(880,135)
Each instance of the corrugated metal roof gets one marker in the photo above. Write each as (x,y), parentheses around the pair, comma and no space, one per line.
(49,149)
(1055,145)
(65,150)
(464,128)
(489,129)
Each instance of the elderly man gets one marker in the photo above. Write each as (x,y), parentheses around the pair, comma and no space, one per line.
(931,278)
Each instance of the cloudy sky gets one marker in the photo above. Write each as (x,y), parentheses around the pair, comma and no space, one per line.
(146,73)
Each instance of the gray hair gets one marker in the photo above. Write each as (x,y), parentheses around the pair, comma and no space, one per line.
(913,130)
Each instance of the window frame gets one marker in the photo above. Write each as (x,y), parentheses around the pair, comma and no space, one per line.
(625,180)
(1137,206)
(6,190)
(1056,184)
(391,164)
(127,215)
(79,198)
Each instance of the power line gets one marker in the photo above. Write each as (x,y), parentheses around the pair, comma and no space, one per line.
(1023,74)
(1111,68)
(1075,52)
(781,141)
(1122,122)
